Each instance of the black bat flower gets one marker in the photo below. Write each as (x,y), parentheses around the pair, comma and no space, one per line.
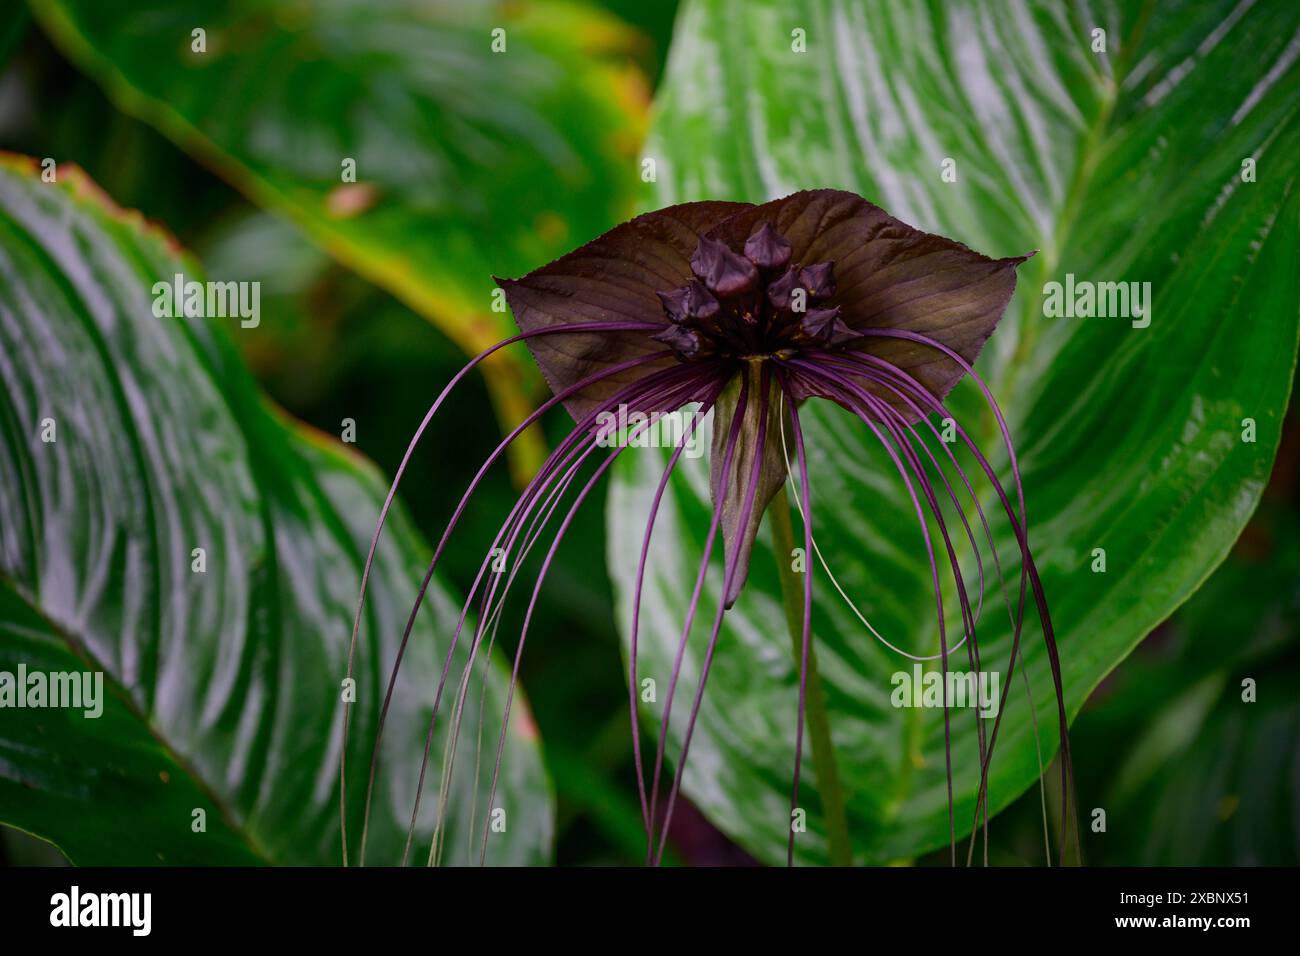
(748,311)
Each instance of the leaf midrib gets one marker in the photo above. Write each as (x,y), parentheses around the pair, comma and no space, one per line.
(1028,334)
(1080,181)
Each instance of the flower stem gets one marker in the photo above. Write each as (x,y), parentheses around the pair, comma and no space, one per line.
(819,728)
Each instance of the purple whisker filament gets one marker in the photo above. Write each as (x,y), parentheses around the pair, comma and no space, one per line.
(743,313)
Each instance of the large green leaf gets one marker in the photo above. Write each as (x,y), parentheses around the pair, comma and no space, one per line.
(1118,166)
(224,687)
(469,163)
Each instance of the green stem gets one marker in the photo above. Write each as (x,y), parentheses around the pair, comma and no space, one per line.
(819,728)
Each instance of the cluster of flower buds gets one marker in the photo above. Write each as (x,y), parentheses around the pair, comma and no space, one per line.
(753,304)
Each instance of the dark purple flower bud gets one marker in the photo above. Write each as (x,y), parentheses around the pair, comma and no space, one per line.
(819,280)
(722,270)
(674,303)
(778,293)
(767,248)
(826,326)
(683,341)
(691,302)
(700,303)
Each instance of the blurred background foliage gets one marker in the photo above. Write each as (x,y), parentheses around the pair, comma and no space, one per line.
(1159,745)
